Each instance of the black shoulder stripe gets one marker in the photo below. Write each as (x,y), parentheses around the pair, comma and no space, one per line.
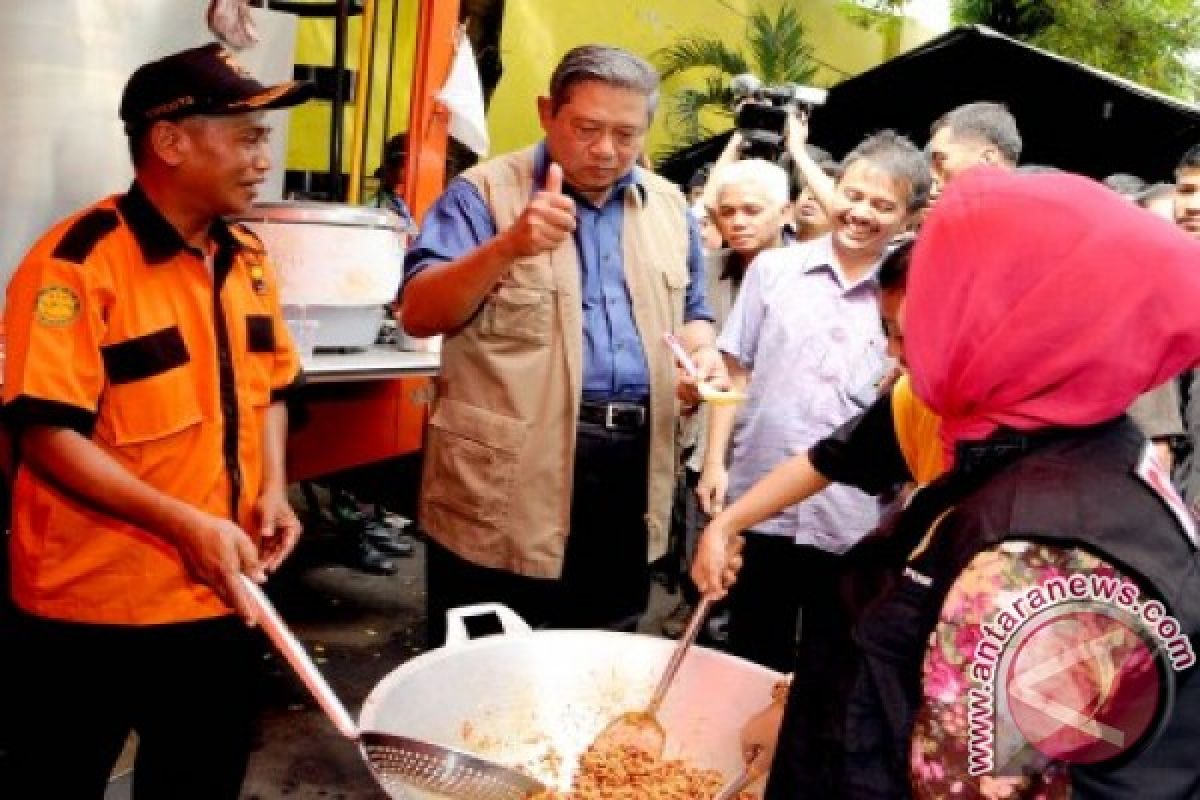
(79,240)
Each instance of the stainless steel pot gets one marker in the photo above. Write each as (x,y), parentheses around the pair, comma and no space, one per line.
(536,699)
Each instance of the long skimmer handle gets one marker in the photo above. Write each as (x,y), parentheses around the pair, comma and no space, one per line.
(291,649)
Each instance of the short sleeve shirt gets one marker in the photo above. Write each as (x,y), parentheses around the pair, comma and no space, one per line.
(814,345)
(167,358)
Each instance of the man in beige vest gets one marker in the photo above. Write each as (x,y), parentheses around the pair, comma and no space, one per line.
(553,273)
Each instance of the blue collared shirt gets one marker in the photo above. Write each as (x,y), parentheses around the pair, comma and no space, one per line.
(614,361)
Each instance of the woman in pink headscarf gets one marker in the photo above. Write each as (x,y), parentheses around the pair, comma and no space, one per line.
(1039,641)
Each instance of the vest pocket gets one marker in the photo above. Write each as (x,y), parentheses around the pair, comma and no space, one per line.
(520,313)
(472,458)
(676,278)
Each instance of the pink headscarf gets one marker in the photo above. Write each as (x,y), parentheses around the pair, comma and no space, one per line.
(1045,300)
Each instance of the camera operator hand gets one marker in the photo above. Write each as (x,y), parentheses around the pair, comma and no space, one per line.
(821,185)
(797,131)
(730,154)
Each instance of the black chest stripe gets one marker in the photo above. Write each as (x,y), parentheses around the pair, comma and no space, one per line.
(145,356)
(260,333)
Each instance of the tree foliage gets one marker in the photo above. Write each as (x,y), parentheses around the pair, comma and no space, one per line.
(1146,41)
(774,49)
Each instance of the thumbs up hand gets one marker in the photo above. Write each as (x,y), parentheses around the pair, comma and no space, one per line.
(547,221)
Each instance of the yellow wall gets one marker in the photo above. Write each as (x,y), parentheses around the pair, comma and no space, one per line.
(536,34)
(308,140)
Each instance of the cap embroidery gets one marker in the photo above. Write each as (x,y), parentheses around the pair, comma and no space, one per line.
(167,108)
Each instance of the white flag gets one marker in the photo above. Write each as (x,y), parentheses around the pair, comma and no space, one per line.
(463,96)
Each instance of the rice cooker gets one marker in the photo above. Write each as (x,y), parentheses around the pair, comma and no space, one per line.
(337,264)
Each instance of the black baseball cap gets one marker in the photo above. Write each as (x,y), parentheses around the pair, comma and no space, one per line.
(393,153)
(202,80)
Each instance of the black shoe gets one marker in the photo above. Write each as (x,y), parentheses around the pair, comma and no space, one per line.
(390,541)
(675,623)
(365,557)
(344,509)
(715,631)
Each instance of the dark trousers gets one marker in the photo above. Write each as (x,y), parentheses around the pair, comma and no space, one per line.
(810,755)
(779,581)
(188,690)
(605,580)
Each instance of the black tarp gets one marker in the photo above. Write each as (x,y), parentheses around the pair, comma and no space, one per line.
(1070,115)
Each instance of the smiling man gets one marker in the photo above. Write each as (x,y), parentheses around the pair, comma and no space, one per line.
(804,342)
(553,273)
(147,364)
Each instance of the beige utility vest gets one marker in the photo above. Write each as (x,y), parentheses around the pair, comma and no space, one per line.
(500,450)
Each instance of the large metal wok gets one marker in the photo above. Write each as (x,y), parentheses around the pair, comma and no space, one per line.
(537,699)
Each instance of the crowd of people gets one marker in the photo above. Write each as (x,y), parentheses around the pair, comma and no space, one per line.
(992,363)
(1006,455)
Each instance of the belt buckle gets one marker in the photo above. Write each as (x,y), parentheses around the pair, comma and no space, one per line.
(613,409)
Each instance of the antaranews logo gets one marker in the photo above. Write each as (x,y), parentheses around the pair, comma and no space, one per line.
(1080,668)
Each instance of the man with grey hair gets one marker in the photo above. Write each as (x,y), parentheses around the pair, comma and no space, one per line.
(553,273)
(750,209)
(972,134)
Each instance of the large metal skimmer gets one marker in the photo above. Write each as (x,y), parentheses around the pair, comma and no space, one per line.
(396,762)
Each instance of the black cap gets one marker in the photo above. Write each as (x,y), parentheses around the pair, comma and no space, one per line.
(393,153)
(203,80)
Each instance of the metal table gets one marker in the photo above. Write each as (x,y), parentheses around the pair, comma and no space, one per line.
(376,363)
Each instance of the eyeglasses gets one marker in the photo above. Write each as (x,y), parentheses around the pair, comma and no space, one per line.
(623,137)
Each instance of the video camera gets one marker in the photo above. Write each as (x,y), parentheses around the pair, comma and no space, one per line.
(762,113)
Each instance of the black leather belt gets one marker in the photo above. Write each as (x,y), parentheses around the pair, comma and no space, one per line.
(614,416)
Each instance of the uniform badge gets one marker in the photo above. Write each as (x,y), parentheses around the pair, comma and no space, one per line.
(57,306)
(258,277)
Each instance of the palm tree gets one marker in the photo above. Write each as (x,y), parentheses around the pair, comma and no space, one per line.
(776,52)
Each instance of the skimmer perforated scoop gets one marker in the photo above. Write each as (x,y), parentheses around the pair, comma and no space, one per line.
(397,762)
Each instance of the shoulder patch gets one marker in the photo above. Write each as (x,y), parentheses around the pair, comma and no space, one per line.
(83,235)
(57,306)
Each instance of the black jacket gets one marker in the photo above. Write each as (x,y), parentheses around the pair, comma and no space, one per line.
(850,715)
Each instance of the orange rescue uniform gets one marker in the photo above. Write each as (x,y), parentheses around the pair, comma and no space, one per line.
(167,358)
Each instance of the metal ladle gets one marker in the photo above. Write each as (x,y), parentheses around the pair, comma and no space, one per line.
(641,729)
(395,761)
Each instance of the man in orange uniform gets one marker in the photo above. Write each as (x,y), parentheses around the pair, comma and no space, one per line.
(147,366)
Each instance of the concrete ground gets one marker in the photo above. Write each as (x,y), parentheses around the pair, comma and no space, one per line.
(358,628)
